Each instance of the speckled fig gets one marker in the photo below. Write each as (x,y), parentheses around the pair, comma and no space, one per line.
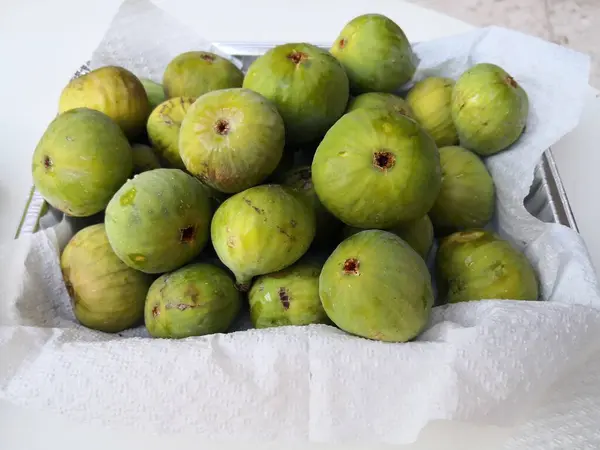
(489,109)
(194,73)
(299,179)
(376,168)
(164,126)
(430,102)
(287,297)
(106,294)
(467,196)
(261,230)
(417,233)
(113,90)
(478,264)
(376,54)
(154,91)
(377,100)
(80,162)
(232,139)
(308,86)
(376,286)
(195,300)
(159,220)
(144,158)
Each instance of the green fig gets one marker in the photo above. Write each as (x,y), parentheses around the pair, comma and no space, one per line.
(467,196)
(377,100)
(376,54)
(417,233)
(80,162)
(154,91)
(430,101)
(106,294)
(195,300)
(144,158)
(489,109)
(308,86)
(376,286)
(287,297)
(232,139)
(261,230)
(115,91)
(159,220)
(194,73)
(164,126)
(477,265)
(375,169)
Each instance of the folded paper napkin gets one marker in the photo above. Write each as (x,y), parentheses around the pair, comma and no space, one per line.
(489,362)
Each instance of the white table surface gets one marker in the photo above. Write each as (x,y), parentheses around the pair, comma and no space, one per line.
(43,42)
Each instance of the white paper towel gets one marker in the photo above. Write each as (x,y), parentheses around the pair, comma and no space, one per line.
(491,362)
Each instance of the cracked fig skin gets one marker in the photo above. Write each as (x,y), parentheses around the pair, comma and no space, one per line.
(195,300)
(106,294)
(231,139)
(159,220)
(262,230)
(375,169)
(489,109)
(479,265)
(376,286)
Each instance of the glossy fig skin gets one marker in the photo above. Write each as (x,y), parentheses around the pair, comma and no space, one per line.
(159,220)
(478,265)
(232,139)
(195,300)
(376,286)
(114,91)
(467,196)
(430,101)
(375,169)
(287,297)
(417,233)
(489,109)
(375,53)
(80,161)
(308,86)
(194,73)
(262,230)
(106,294)
(377,100)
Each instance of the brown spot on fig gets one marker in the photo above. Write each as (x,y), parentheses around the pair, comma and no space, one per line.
(284,232)
(342,42)
(384,160)
(231,242)
(155,311)
(297,57)
(284,297)
(192,292)
(47,162)
(70,289)
(255,208)
(222,127)
(511,81)
(187,234)
(293,223)
(179,306)
(351,266)
(207,57)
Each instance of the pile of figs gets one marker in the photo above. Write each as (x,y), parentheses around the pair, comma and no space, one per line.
(315,187)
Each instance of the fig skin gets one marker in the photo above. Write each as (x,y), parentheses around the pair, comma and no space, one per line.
(163,128)
(376,100)
(467,196)
(417,233)
(194,73)
(477,265)
(144,158)
(114,91)
(375,53)
(232,139)
(308,86)
(375,169)
(489,109)
(262,230)
(154,91)
(287,297)
(81,160)
(159,220)
(430,101)
(106,294)
(376,286)
(195,300)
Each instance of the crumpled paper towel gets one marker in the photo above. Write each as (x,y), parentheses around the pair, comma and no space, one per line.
(489,362)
